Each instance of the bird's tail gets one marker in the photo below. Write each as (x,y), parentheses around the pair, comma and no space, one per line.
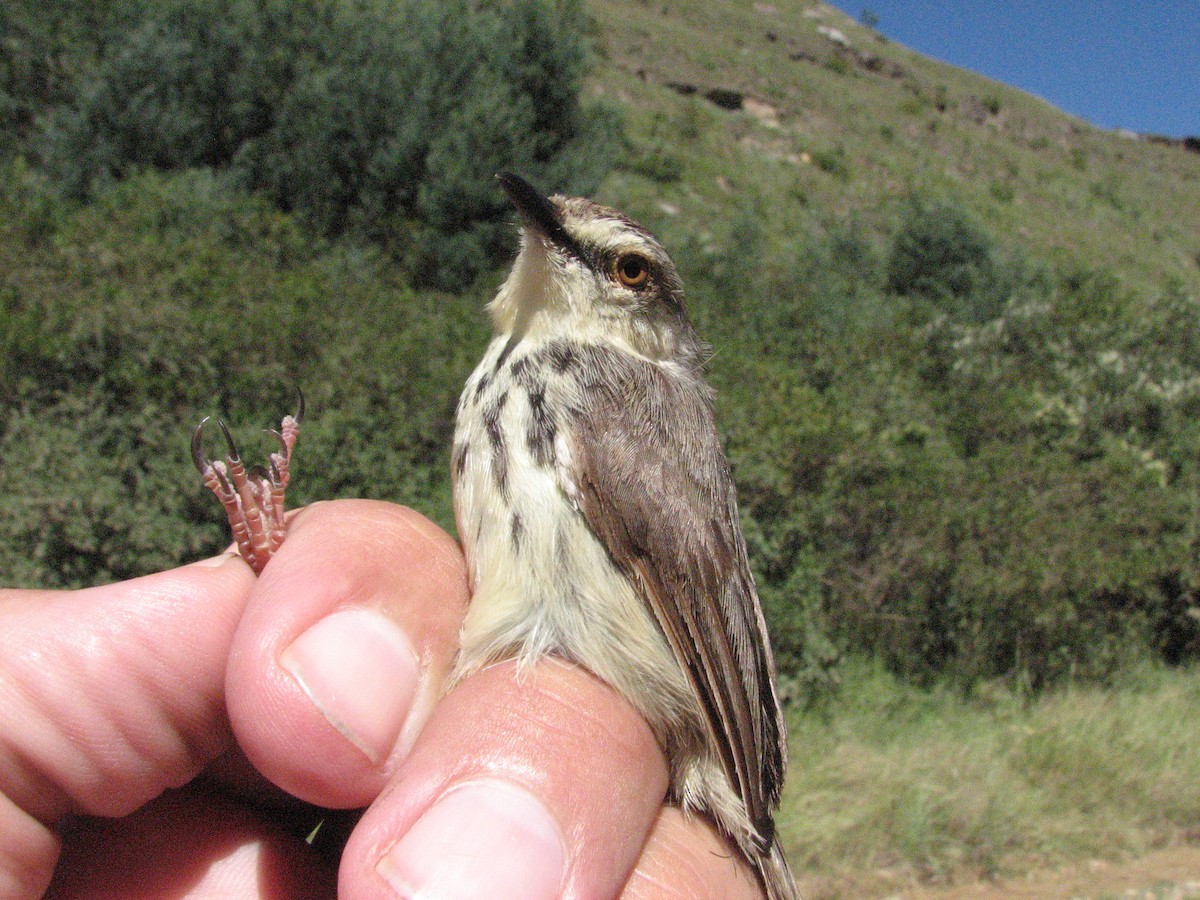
(776,875)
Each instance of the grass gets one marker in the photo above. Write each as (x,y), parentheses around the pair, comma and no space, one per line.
(891,783)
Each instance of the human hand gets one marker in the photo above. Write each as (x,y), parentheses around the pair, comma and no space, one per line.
(330,670)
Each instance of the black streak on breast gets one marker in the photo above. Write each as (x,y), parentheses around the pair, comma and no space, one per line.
(491,424)
(458,461)
(522,371)
(508,348)
(560,356)
(539,436)
(482,385)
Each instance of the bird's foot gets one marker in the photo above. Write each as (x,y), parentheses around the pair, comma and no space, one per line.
(253,498)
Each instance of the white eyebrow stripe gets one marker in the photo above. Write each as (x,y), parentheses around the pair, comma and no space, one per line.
(613,234)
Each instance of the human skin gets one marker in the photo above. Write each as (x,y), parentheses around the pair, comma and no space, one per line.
(151,730)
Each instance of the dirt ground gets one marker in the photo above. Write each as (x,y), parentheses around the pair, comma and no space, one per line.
(1172,874)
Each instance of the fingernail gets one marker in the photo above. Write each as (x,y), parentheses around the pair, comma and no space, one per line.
(483,838)
(360,670)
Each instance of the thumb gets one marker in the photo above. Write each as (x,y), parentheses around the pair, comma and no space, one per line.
(108,696)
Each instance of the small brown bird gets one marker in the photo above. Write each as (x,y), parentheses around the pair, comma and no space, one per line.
(598,516)
(597,511)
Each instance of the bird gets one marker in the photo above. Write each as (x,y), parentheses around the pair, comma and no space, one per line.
(598,516)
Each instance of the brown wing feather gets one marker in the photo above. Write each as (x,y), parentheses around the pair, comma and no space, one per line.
(654,486)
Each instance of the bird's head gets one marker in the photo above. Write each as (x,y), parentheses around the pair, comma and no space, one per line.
(587,272)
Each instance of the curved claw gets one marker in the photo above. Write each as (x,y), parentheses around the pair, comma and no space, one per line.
(233,450)
(283,447)
(198,458)
(253,499)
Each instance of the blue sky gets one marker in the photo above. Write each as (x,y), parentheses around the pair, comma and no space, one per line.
(1115,63)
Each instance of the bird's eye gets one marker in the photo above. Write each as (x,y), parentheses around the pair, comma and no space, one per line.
(632,270)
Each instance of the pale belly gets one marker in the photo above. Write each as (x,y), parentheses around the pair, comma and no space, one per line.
(542,583)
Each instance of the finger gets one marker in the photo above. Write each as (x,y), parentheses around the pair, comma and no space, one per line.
(187,845)
(344,648)
(686,859)
(108,696)
(538,784)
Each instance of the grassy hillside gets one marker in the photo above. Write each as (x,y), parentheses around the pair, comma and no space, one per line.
(831,130)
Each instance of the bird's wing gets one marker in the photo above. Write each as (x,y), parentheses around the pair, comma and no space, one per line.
(651,479)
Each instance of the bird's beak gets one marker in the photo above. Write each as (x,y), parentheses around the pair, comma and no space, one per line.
(538,211)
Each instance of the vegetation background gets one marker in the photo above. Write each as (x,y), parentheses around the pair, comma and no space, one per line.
(954,333)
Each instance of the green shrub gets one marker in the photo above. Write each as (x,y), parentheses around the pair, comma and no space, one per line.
(833,162)
(385,119)
(1002,191)
(186,84)
(783,437)
(1031,517)
(43,48)
(938,252)
(838,64)
(942,255)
